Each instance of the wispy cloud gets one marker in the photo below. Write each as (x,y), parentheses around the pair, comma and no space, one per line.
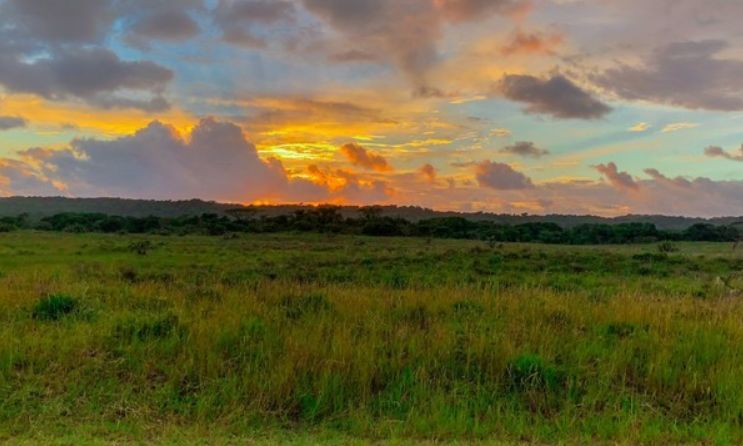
(640,127)
(677,126)
(501,133)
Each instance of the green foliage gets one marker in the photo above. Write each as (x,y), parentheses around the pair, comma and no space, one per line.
(54,307)
(372,222)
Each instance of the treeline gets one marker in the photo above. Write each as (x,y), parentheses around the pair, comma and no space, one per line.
(40,207)
(371,222)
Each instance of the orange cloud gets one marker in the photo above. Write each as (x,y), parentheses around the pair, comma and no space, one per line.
(532,43)
(40,112)
(349,187)
(359,156)
(428,172)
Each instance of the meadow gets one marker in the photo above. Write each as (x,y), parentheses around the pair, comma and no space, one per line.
(340,339)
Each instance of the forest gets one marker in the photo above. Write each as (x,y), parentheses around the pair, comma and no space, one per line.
(371,221)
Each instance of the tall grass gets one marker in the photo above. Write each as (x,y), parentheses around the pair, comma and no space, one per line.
(228,335)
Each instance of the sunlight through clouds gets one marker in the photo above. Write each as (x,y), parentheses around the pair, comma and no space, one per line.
(384,100)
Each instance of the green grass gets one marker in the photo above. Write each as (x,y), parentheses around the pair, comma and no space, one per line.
(309,339)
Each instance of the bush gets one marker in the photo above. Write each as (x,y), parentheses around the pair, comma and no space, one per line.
(142,247)
(54,307)
(128,274)
(667,248)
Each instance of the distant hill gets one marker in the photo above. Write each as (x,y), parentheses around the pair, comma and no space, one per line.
(39,207)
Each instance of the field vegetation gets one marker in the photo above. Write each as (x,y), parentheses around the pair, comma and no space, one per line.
(307,338)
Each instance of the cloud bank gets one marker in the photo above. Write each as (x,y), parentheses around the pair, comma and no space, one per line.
(556,96)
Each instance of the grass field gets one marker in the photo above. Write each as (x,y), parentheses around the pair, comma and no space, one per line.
(313,339)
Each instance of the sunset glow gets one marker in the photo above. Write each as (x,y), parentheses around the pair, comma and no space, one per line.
(536,106)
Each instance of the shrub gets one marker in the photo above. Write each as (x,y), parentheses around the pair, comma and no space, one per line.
(54,307)
(142,247)
(667,248)
(148,328)
(128,275)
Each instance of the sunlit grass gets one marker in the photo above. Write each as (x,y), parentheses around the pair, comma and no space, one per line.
(292,338)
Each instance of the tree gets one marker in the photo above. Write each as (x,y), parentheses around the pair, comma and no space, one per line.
(739,238)
(371,212)
(242,214)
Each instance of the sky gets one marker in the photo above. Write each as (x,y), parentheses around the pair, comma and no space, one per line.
(604,107)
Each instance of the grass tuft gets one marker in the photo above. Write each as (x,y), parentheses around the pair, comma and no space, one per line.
(54,307)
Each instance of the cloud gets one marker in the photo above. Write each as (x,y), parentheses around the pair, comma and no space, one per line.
(500,176)
(171,25)
(402,33)
(19,178)
(53,21)
(428,172)
(640,127)
(353,56)
(657,194)
(683,74)
(55,50)
(660,178)
(466,10)
(243,38)
(501,133)
(676,126)
(719,152)
(525,149)
(96,76)
(147,21)
(239,19)
(620,180)
(277,111)
(701,197)
(532,43)
(12,122)
(348,187)
(254,11)
(213,162)
(359,156)
(556,96)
